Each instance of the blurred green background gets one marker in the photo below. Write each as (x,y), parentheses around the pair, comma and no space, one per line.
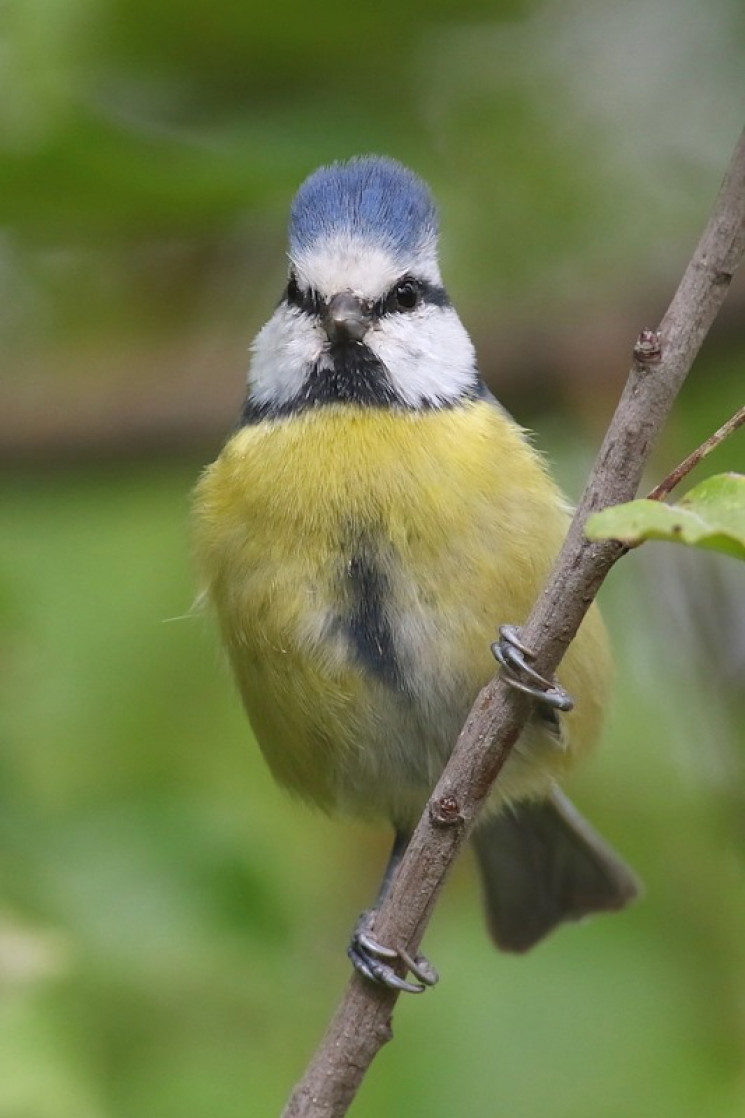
(172,927)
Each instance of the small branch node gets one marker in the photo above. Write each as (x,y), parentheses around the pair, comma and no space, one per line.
(445,812)
(648,347)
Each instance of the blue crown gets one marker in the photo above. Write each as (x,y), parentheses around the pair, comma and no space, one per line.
(371,197)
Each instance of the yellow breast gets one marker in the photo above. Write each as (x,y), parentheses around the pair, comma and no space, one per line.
(360,561)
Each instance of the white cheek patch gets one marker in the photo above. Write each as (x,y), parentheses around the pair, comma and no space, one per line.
(347,263)
(282,353)
(427,353)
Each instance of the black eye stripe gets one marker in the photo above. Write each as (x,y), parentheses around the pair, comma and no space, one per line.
(312,302)
(427,294)
(436,295)
(308,301)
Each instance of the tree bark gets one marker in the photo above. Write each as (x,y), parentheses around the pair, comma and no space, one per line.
(662,360)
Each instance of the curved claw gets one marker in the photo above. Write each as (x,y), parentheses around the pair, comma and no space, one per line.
(372,947)
(420,967)
(510,634)
(372,968)
(368,957)
(513,656)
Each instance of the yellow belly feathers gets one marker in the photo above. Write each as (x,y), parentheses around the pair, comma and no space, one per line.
(360,561)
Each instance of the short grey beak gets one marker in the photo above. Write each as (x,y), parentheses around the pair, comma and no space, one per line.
(347,318)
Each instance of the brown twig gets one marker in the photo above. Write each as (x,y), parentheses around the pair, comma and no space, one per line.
(362,1023)
(683,468)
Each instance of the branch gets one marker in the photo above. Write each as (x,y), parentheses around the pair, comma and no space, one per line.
(684,468)
(362,1023)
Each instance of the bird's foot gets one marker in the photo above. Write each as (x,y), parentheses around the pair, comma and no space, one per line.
(514,658)
(375,961)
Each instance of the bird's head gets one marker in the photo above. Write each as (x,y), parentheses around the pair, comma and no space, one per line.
(364,318)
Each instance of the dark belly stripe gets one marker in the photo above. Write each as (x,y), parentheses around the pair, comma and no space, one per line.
(366,625)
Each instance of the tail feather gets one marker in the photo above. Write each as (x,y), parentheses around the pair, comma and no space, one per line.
(541,864)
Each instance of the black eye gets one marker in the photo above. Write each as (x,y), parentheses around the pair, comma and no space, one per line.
(406,294)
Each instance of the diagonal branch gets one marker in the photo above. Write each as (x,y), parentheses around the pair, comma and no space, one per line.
(689,463)
(362,1023)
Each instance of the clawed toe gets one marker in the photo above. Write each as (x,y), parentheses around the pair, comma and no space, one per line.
(420,967)
(514,657)
(374,961)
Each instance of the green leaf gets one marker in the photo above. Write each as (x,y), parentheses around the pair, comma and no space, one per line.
(711,515)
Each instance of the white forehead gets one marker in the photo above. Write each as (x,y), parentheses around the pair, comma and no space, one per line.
(344,262)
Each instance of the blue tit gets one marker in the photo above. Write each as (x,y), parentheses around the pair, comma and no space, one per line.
(374,516)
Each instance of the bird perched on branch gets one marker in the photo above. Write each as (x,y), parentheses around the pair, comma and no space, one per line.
(375,516)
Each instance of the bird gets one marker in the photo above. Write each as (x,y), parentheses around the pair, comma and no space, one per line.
(372,518)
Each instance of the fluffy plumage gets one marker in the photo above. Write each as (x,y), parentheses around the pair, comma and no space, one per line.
(366,530)
(425,499)
(371,198)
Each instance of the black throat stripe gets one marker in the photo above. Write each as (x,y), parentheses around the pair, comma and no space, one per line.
(351,374)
